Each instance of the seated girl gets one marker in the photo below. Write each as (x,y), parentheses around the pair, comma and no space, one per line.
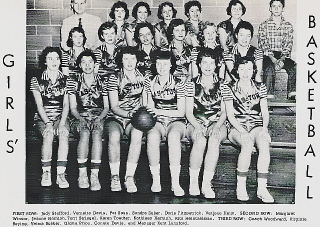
(206,114)
(125,94)
(52,103)
(247,111)
(166,98)
(89,106)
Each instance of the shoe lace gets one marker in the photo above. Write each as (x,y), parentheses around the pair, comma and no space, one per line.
(130,182)
(115,180)
(62,177)
(94,179)
(83,178)
(46,175)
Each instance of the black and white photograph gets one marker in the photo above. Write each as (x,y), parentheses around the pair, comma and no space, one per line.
(113,109)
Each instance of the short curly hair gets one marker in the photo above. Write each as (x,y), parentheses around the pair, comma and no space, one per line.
(162,54)
(85,53)
(127,50)
(201,31)
(233,3)
(76,29)
(136,7)
(245,25)
(119,4)
(241,61)
(281,1)
(189,4)
(162,5)
(137,30)
(44,53)
(105,26)
(174,23)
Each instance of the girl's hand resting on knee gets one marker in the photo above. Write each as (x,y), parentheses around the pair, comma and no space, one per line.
(62,130)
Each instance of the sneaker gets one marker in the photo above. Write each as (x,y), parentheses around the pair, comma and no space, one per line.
(115,183)
(208,192)
(130,184)
(264,195)
(177,191)
(242,195)
(194,190)
(94,182)
(62,181)
(83,181)
(46,179)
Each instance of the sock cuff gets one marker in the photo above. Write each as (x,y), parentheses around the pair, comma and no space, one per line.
(62,163)
(263,175)
(82,160)
(95,165)
(46,163)
(95,161)
(242,174)
(82,165)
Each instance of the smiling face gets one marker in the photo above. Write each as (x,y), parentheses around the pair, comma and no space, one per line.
(167,13)
(77,39)
(179,32)
(109,35)
(129,62)
(210,34)
(119,14)
(276,8)
(145,36)
(87,64)
(236,11)
(245,71)
(244,37)
(142,14)
(79,6)
(207,66)
(163,66)
(194,13)
(53,61)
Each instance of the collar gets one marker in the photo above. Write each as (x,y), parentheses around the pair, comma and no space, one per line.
(45,75)
(95,76)
(272,20)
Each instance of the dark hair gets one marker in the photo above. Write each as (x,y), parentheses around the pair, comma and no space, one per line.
(137,30)
(162,54)
(136,6)
(233,3)
(208,52)
(241,61)
(162,5)
(119,4)
(189,4)
(127,50)
(201,31)
(76,29)
(174,23)
(105,26)
(44,53)
(245,25)
(85,53)
(281,1)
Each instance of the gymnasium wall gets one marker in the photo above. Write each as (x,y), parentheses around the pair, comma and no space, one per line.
(44,18)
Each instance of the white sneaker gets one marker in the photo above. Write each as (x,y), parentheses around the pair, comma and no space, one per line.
(194,190)
(115,183)
(264,195)
(156,187)
(83,181)
(130,184)
(242,194)
(94,182)
(46,179)
(62,181)
(177,191)
(208,192)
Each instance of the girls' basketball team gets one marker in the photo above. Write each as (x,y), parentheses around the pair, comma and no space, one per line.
(178,71)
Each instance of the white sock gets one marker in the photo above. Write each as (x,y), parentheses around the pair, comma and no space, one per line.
(175,175)
(46,169)
(82,170)
(155,172)
(207,177)
(194,176)
(131,169)
(114,168)
(262,183)
(61,169)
